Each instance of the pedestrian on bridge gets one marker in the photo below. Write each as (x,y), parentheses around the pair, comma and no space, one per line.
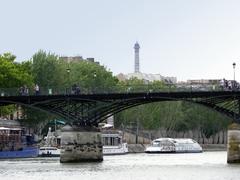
(37,90)
(21,91)
(78,90)
(222,84)
(25,90)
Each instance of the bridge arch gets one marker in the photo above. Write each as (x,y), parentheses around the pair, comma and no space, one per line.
(90,109)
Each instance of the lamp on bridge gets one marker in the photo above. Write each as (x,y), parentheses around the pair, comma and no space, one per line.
(233,88)
(234,84)
(68,92)
(94,87)
(68,74)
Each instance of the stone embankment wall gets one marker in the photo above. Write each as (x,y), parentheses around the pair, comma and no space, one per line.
(131,139)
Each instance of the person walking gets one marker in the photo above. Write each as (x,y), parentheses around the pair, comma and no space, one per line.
(25,90)
(74,87)
(222,84)
(21,91)
(37,90)
(78,90)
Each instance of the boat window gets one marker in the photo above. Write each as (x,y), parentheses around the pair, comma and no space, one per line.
(111,141)
(165,143)
(155,142)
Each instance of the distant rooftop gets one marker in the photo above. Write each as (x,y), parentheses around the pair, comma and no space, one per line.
(147,77)
(78,58)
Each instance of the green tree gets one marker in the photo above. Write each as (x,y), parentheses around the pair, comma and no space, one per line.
(35,119)
(91,77)
(12,75)
(173,116)
(47,69)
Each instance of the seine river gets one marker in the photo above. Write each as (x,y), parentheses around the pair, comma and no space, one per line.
(200,166)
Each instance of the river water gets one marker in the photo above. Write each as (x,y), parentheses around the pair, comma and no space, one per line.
(199,166)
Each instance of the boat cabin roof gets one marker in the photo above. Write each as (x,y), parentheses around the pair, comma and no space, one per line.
(176,141)
(15,129)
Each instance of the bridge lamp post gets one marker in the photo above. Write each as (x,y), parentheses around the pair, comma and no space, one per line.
(94,77)
(68,73)
(68,84)
(234,65)
(234,114)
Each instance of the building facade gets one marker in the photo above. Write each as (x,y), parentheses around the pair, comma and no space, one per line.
(78,58)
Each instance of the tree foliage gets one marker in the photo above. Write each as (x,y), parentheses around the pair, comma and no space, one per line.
(12,75)
(91,77)
(47,69)
(178,116)
(35,119)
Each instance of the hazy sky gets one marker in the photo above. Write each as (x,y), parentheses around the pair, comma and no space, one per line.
(188,39)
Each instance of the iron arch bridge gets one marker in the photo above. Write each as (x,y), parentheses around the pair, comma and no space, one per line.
(91,109)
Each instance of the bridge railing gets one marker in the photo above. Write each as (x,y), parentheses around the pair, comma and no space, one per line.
(106,90)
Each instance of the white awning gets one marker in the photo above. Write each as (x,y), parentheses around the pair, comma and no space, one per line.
(107,126)
(5,128)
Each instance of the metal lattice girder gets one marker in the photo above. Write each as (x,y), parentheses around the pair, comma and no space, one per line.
(89,110)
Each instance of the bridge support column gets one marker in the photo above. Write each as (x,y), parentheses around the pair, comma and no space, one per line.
(81,145)
(233,148)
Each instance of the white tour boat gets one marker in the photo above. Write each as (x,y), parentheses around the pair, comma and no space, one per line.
(51,146)
(170,145)
(113,142)
(46,151)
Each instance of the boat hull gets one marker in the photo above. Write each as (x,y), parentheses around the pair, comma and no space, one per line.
(111,151)
(157,152)
(28,152)
(115,150)
(169,145)
(49,155)
(162,152)
(49,152)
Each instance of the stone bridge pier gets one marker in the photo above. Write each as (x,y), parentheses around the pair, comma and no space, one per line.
(233,148)
(81,145)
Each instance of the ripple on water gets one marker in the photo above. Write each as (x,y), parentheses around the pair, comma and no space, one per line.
(209,165)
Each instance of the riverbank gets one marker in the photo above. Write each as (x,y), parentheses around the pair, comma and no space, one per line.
(140,148)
